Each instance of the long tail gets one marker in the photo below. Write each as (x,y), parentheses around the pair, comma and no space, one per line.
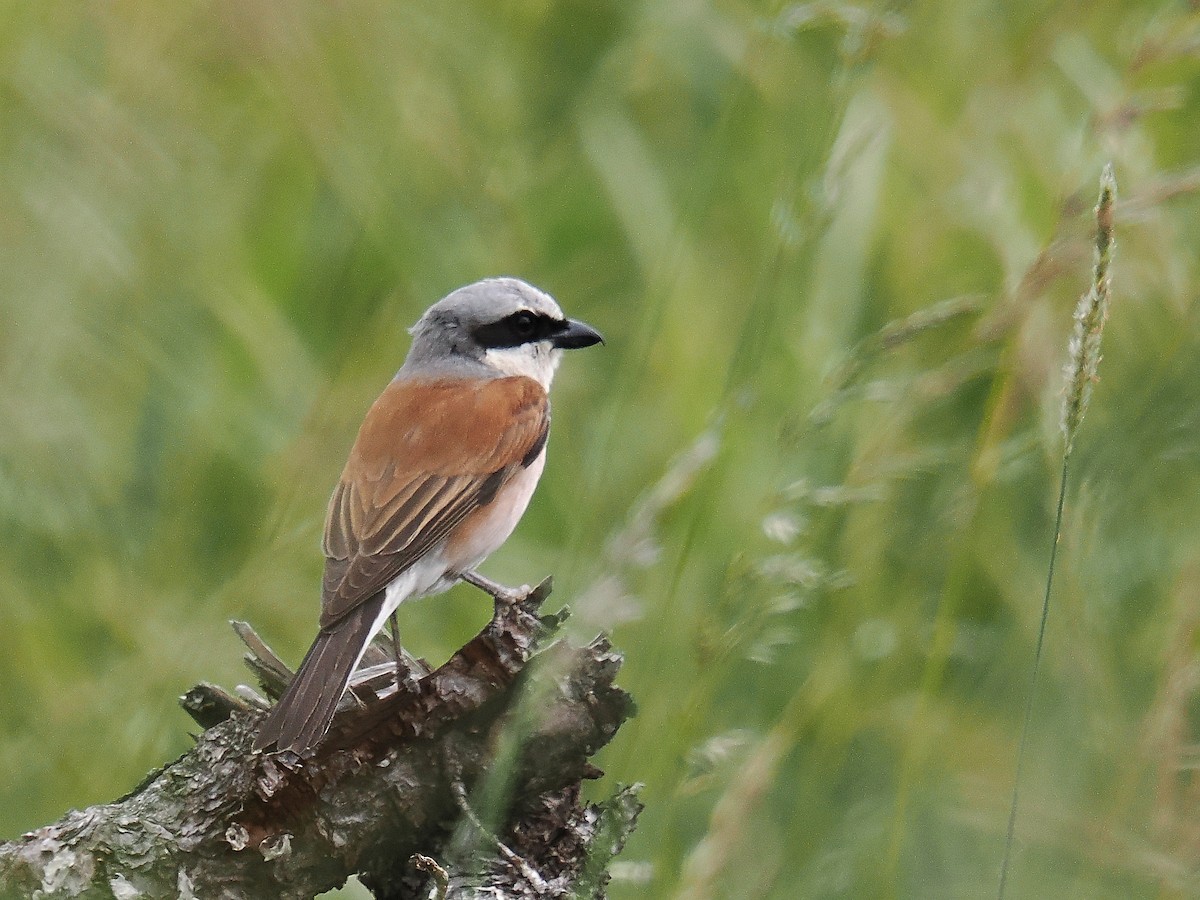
(302,716)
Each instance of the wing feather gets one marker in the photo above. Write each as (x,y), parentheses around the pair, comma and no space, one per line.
(390,528)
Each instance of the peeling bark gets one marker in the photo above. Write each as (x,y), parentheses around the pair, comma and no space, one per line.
(388,785)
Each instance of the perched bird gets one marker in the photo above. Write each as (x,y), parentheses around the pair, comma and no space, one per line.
(442,470)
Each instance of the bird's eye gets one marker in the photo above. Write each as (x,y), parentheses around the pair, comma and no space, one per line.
(524,324)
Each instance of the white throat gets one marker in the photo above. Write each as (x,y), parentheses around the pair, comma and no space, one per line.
(537,361)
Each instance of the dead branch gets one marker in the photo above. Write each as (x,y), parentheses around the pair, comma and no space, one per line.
(386,797)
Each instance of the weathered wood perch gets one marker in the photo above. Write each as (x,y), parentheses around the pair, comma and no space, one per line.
(385,797)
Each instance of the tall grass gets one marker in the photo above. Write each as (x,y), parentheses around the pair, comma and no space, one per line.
(1081,370)
(834,249)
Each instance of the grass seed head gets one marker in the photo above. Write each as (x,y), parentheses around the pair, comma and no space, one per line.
(1083,351)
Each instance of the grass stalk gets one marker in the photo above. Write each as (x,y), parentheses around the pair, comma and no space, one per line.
(1083,360)
(1033,677)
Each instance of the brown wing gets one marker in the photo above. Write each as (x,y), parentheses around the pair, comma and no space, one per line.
(428,454)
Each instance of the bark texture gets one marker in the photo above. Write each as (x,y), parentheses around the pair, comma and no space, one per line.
(399,793)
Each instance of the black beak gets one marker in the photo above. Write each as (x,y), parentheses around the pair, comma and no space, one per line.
(576,334)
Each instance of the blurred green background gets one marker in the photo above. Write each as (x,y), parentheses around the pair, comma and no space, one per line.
(821,546)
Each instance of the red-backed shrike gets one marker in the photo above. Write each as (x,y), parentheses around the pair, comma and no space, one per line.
(443,468)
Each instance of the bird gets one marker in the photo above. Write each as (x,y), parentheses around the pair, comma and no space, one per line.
(442,470)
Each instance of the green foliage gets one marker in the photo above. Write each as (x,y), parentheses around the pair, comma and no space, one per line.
(808,484)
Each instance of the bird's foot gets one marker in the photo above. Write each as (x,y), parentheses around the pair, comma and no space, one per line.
(406,680)
(498,592)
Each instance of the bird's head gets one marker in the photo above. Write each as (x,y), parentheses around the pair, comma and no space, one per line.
(504,324)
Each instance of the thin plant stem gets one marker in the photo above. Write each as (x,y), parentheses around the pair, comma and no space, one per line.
(1083,361)
(1037,662)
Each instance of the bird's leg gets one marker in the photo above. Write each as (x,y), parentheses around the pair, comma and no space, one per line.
(395,628)
(499,592)
(407,678)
